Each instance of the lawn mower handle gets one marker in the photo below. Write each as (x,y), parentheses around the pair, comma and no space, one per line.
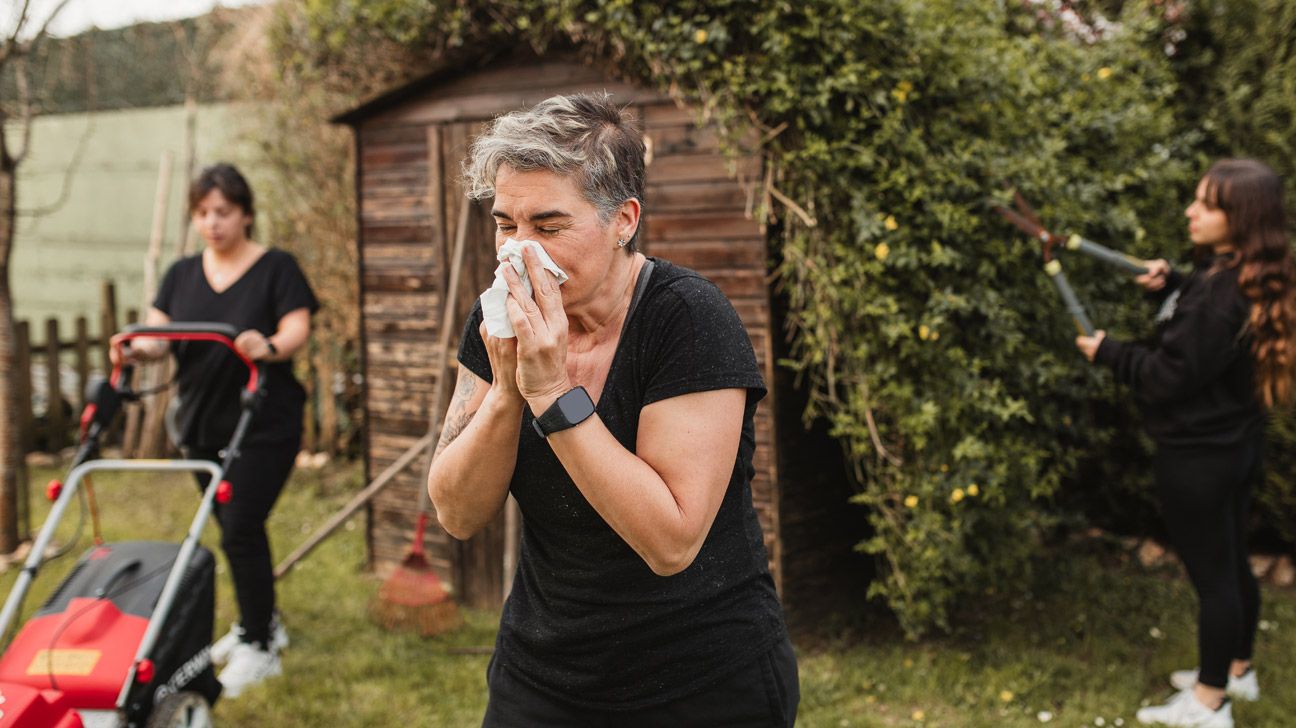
(217,333)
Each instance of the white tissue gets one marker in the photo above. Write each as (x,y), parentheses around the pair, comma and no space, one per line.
(493,299)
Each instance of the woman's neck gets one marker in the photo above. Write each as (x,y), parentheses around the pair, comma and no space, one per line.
(231,254)
(606,308)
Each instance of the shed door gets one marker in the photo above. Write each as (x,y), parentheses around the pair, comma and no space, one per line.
(480,571)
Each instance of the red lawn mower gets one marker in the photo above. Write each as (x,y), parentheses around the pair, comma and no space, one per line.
(124,641)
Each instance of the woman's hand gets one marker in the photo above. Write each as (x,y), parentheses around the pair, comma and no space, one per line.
(1088,345)
(120,352)
(503,361)
(254,345)
(1155,278)
(540,323)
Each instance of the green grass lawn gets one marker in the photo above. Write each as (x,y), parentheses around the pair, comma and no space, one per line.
(1097,648)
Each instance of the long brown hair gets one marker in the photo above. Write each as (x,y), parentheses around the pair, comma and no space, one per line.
(1251,195)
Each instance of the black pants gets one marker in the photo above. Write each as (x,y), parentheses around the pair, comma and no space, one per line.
(258,476)
(1205,498)
(765,694)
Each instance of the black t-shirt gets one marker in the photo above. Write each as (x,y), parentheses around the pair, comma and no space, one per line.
(587,620)
(210,376)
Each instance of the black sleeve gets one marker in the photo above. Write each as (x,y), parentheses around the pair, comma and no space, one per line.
(291,289)
(472,350)
(1173,281)
(164,301)
(699,344)
(1195,347)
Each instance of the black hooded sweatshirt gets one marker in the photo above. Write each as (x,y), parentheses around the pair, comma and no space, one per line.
(1194,380)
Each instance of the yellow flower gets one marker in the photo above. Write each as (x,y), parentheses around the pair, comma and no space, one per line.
(901,91)
(944,467)
(957,495)
(882,251)
(700,36)
(908,662)
(911,501)
(891,223)
(1007,696)
(923,332)
(1104,73)
(973,490)
(918,715)
(935,335)
(871,699)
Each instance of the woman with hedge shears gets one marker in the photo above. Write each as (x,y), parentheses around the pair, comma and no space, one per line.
(1223,352)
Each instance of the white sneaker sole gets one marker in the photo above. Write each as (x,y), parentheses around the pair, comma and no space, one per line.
(1243,689)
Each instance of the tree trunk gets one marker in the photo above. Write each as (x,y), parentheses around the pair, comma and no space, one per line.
(11,456)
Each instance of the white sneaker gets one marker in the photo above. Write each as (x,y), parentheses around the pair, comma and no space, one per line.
(1184,711)
(1243,688)
(220,651)
(249,665)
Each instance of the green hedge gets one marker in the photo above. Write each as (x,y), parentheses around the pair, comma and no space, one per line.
(924,329)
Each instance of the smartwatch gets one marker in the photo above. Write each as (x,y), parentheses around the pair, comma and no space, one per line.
(567,411)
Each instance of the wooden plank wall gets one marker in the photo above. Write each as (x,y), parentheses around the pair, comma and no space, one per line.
(410,190)
(696,215)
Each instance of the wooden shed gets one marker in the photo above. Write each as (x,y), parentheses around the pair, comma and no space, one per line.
(410,145)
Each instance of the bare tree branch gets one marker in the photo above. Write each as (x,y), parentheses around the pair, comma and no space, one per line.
(11,46)
(22,19)
(65,190)
(19,54)
(30,45)
(26,113)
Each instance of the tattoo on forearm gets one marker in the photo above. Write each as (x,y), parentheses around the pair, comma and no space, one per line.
(454,427)
(464,390)
(456,418)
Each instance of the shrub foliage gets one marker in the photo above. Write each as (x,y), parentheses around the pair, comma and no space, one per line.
(923,326)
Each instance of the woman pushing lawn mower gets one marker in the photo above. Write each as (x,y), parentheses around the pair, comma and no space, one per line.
(1223,352)
(263,294)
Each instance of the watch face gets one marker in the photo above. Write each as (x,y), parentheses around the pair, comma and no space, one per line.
(576,405)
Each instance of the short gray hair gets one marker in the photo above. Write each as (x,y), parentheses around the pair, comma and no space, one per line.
(582,135)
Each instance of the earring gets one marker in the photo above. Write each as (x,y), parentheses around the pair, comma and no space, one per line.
(622,242)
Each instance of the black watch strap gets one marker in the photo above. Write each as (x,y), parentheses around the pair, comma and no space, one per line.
(567,411)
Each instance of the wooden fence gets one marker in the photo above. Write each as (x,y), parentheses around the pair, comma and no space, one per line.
(89,354)
(139,431)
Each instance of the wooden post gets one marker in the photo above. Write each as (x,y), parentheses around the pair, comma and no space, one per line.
(152,438)
(107,320)
(55,418)
(23,364)
(82,345)
(108,327)
(154,255)
(131,436)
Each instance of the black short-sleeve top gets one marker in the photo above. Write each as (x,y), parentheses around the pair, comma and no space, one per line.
(587,620)
(210,377)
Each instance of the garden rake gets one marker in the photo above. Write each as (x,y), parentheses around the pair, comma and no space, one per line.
(413,598)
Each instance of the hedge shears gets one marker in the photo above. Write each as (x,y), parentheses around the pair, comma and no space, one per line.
(1027,221)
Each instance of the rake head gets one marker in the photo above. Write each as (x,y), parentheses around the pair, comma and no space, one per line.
(413,598)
